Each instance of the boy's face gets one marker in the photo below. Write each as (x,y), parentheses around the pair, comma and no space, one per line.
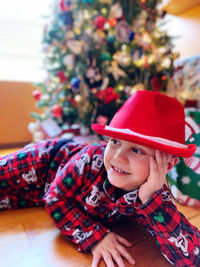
(127,164)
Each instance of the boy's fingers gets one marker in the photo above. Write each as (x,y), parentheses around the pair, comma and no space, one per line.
(96,259)
(153,167)
(123,241)
(108,260)
(124,253)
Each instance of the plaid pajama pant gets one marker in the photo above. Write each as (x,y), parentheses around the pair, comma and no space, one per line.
(25,175)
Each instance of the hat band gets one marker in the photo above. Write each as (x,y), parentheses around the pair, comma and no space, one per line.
(152,138)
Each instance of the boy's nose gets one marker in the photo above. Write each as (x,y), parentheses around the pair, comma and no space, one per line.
(121,156)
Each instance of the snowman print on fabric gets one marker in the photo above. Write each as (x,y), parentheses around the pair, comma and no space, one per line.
(81,236)
(95,196)
(80,164)
(181,242)
(97,162)
(30,177)
(4,203)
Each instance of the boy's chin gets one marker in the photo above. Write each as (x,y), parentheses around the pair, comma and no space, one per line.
(115,184)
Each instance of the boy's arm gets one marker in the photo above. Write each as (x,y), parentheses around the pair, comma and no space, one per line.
(63,207)
(179,241)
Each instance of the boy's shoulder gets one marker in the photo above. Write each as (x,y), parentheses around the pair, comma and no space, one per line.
(93,148)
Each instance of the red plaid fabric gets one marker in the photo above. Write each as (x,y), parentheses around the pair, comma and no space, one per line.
(74,186)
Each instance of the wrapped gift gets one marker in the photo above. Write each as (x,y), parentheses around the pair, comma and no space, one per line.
(184,179)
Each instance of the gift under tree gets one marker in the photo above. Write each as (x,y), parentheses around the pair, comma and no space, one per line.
(96,54)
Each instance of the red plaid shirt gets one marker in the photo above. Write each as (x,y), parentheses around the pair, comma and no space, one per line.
(81,202)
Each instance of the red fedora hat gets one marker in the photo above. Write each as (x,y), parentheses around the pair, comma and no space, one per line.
(151,119)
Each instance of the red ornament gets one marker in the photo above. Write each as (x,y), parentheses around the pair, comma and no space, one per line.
(57,111)
(64,6)
(112,22)
(164,78)
(99,22)
(61,76)
(110,95)
(36,94)
(107,95)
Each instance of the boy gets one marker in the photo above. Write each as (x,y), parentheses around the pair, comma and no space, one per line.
(85,187)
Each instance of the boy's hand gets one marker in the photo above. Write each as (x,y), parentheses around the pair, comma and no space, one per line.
(157,176)
(112,249)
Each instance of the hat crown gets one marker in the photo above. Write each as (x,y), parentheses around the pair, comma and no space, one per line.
(152,114)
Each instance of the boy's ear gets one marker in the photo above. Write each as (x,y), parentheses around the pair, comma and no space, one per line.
(173,161)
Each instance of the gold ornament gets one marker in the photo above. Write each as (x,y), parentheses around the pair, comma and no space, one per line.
(69,61)
(75,46)
(123,58)
(77,98)
(140,62)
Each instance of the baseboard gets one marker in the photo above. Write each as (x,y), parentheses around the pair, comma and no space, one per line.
(13,145)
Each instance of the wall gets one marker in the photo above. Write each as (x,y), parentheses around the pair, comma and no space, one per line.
(186,27)
(16,103)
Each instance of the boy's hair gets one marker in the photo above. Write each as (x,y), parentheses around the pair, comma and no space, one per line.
(151,119)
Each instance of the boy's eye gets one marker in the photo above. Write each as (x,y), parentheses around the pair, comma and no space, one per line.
(137,151)
(114,141)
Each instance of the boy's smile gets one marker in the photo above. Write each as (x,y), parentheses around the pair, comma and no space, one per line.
(127,164)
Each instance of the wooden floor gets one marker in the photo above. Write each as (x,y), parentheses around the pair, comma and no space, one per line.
(28,238)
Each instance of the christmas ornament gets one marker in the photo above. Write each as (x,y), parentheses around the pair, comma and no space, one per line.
(123,58)
(63,5)
(112,22)
(67,18)
(106,56)
(99,38)
(75,82)
(36,94)
(99,22)
(107,95)
(116,11)
(57,111)
(34,126)
(131,35)
(69,61)
(75,46)
(61,76)
(93,75)
(36,131)
(122,30)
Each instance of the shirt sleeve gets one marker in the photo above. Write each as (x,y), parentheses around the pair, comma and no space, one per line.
(178,240)
(63,205)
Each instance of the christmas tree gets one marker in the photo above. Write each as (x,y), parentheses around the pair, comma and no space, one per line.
(96,54)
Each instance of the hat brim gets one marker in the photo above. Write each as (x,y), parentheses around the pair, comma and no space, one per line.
(187,151)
